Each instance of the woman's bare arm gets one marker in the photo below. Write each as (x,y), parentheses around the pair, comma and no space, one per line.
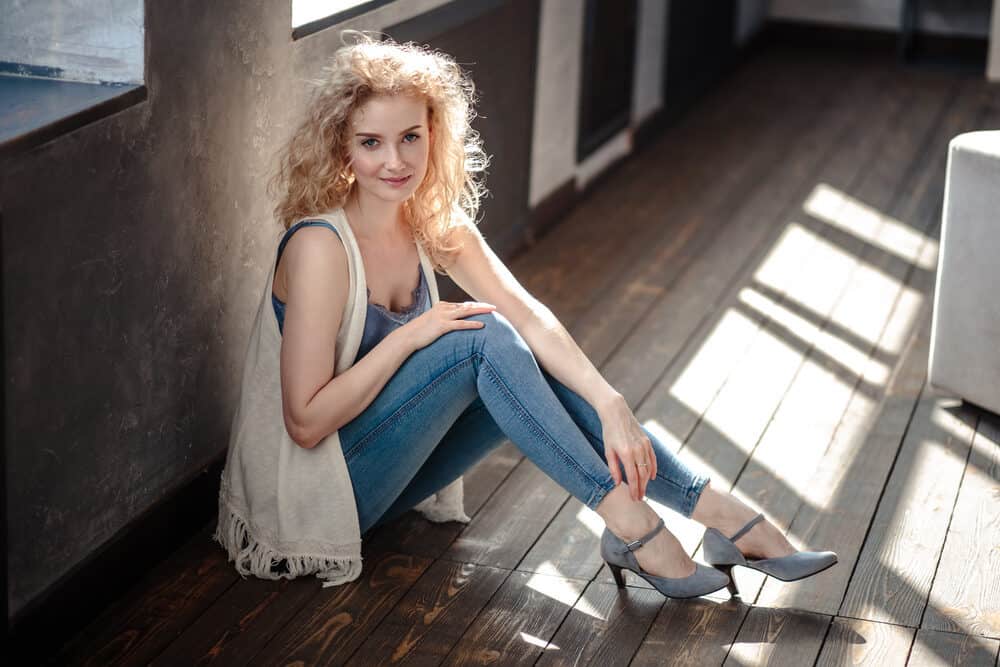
(484,276)
(314,402)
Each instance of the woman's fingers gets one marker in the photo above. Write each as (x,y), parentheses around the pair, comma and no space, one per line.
(631,476)
(641,476)
(633,480)
(466,308)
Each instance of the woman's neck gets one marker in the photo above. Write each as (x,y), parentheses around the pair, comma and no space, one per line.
(375,219)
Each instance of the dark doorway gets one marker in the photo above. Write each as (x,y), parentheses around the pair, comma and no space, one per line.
(607,72)
(699,50)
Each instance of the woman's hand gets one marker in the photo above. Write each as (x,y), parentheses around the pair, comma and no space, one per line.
(442,317)
(625,442)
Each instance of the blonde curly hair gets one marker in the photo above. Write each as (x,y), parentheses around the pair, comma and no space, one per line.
(313,174)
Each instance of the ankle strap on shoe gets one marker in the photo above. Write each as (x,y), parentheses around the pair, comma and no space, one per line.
(636,543)
(750,524)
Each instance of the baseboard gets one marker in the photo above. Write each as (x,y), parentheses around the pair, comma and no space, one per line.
(919,49)
(548,212)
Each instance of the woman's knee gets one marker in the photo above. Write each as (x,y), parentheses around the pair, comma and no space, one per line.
(499,332)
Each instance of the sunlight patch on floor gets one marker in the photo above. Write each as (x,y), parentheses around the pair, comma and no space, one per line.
(536,641)
(591,520)
(701,378)
(835,207)
(549,581)
(831,346)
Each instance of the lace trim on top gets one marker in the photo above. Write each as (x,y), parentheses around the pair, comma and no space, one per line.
(407,313)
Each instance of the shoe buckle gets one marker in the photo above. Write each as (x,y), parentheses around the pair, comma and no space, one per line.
(631,546)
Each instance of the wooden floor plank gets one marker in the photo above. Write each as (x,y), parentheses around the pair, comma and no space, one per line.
(337,620)
(893,575)
(426,624)
(519,621)
(510,521)
(569,544)
(604,628)
(847,495)
(778,637)
(691,633)
(144,622)
(238,625)
(941,649)
(864,643)
(965,596)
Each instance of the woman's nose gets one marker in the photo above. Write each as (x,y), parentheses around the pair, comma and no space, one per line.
(393,159)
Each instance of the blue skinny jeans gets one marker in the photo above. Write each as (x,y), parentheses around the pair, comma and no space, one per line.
(454,401)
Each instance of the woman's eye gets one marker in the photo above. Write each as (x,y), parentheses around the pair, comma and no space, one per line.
(366,144)
(415,137)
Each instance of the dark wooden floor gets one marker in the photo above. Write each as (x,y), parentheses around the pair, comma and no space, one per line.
(757,282)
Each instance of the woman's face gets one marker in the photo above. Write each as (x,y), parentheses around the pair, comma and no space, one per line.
(390,144)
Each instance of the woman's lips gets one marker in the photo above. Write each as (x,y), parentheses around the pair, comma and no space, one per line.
(396,182)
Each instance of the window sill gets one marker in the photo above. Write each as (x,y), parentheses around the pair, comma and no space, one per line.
(310,27)
(34,111)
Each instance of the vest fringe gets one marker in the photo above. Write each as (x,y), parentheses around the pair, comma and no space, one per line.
(253,556)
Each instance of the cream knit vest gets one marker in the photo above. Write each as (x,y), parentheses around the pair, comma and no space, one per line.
(278,500)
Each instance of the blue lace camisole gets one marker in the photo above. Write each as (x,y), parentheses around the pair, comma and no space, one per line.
(379,321)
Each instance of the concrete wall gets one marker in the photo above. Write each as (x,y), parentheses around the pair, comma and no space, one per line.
(968,17)
(80,40)
(135,249)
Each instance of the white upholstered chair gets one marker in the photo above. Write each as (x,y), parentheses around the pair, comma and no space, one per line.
(965,330)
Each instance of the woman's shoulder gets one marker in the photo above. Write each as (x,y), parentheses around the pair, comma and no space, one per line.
(334,219)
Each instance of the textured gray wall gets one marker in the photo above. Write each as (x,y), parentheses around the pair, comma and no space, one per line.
(135,250)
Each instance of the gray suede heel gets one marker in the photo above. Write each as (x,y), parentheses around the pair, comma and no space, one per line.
(618,555)
(722,554)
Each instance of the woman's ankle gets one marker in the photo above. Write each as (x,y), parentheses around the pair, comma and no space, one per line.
(721,510)
(624,517)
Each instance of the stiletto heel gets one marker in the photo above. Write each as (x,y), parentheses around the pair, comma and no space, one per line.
(728,571)
(721,553)
(616,572)
(618,555)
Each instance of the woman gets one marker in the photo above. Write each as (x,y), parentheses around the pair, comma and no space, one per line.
(378,187)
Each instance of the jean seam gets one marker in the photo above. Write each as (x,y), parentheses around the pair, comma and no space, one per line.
(533,424)
(402,409)
(694,491)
